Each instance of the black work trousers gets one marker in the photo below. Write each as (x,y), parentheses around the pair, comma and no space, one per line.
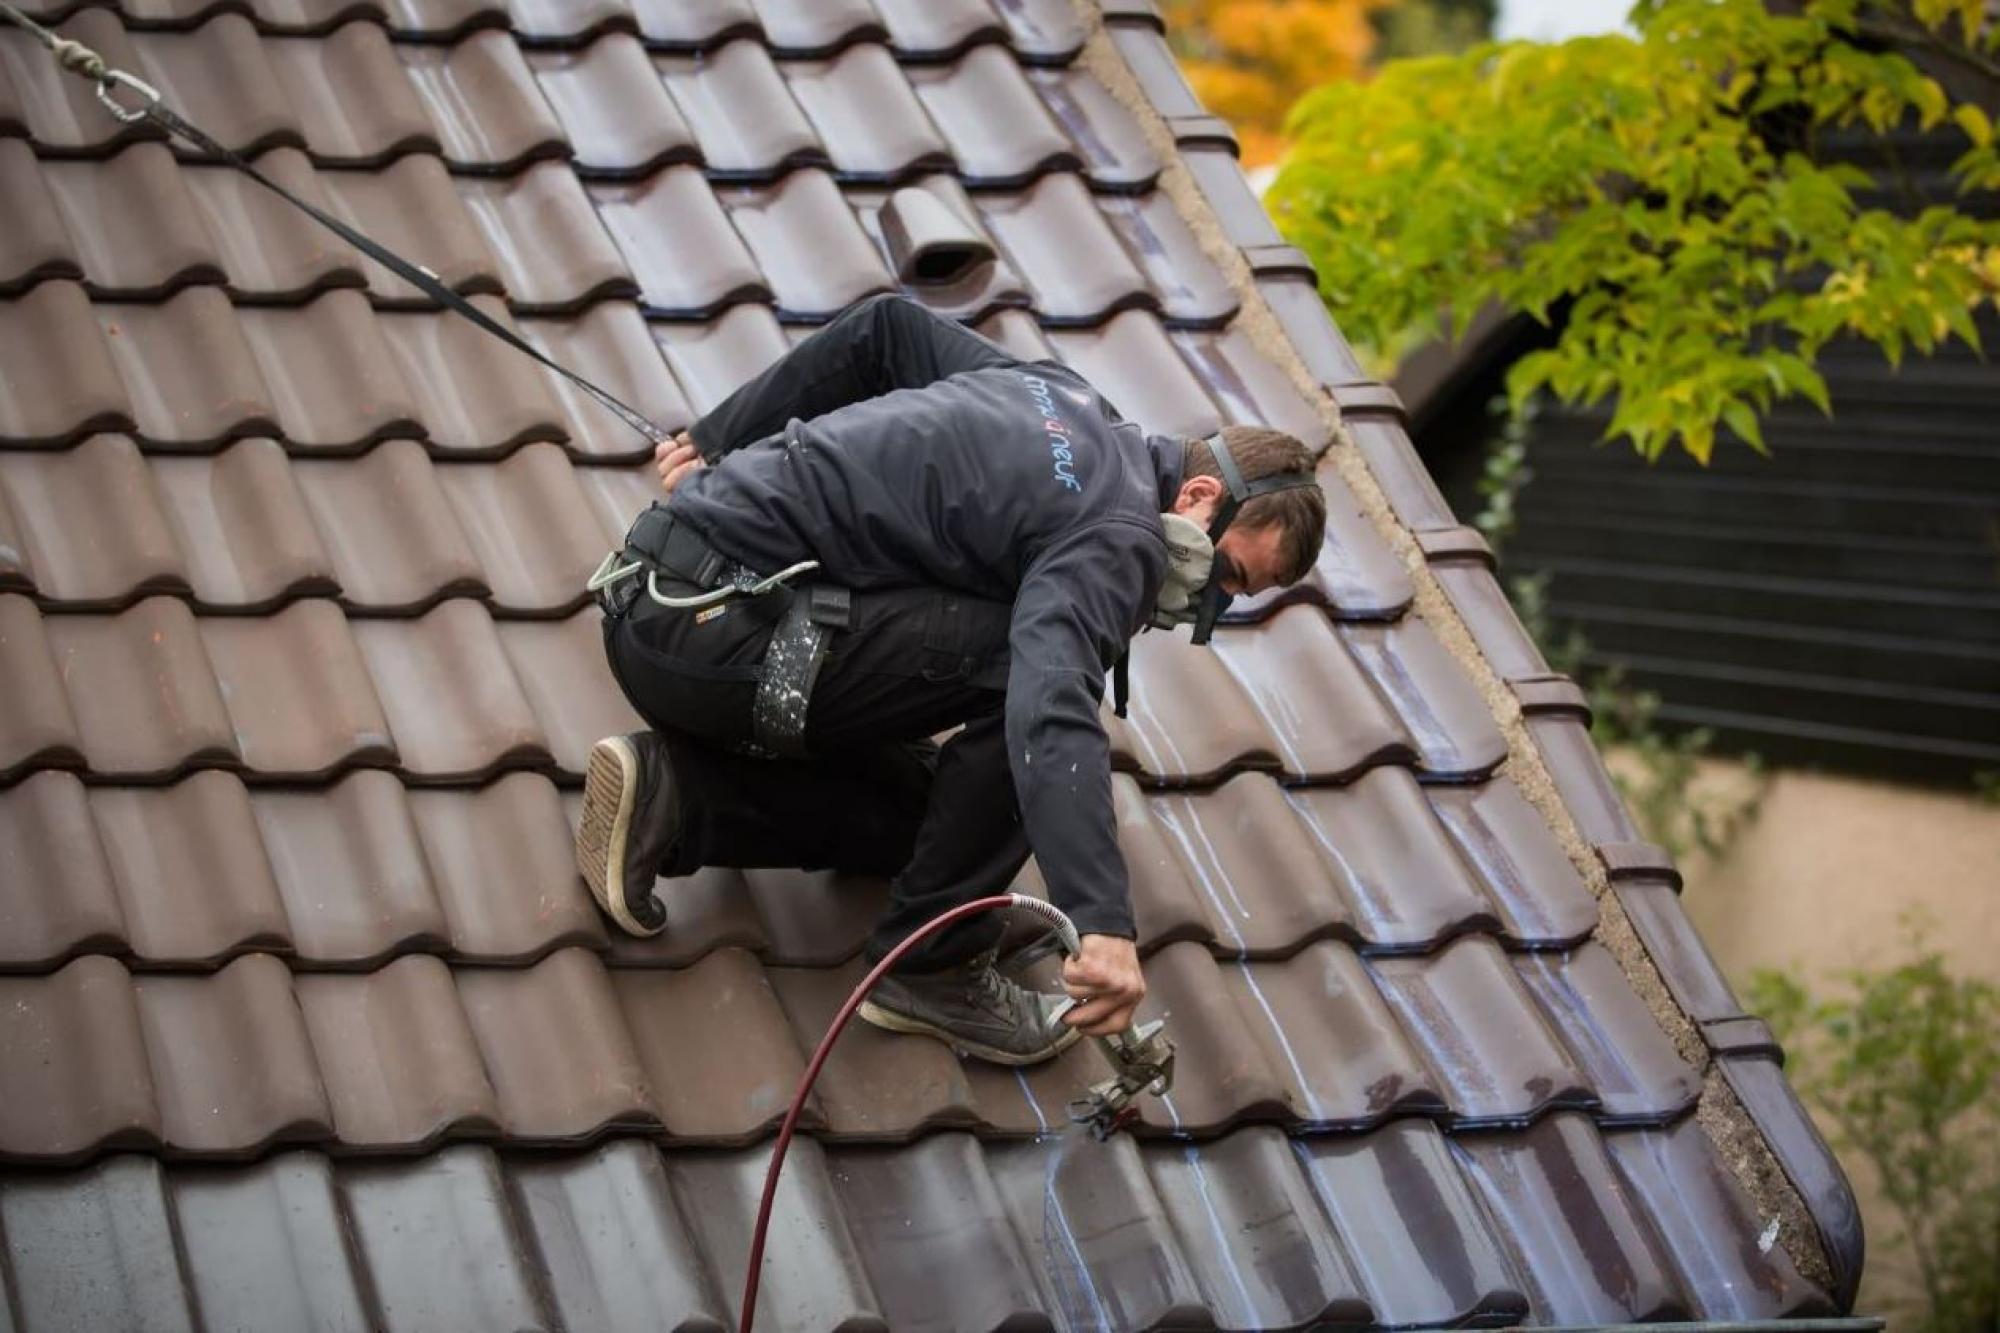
(874,793)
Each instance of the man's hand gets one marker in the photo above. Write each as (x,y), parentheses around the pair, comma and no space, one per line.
(1105,980)
(676,459)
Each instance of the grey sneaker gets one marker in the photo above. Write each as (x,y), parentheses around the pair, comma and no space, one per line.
(976,1011)
(630,819)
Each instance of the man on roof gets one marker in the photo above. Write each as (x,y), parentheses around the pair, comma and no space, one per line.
(969,541)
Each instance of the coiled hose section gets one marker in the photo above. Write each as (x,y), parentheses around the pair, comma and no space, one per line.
(1049,914)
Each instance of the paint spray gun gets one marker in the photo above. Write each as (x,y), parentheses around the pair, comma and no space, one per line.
(1141,1057)
(1142,1060)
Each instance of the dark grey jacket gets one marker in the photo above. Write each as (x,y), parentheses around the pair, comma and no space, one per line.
(899,449)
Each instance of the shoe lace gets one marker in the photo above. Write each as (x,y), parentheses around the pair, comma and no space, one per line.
(993,992)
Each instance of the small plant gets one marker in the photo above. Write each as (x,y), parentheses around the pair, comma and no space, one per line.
(1905,1062)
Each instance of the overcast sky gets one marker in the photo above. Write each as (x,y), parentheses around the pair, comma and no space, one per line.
(1553,20)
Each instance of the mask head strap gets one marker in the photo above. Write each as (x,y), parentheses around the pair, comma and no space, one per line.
(1213,599)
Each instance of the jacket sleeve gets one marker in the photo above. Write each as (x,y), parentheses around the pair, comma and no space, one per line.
(1072,616)
(874,346)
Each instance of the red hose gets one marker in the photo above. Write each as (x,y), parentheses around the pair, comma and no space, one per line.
(929,928)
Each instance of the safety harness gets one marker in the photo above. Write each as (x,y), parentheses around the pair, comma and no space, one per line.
(658,545)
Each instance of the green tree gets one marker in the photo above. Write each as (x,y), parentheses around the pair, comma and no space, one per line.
(1431,27)
(1656,196)
(1905,1063)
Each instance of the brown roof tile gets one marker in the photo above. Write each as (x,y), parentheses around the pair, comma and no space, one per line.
(866,114)
(352,99)
(156,840)
(397,1055)
(482,97)
(613,108)
(49,339)
(202,1033)
(245,536)
(34,242)
(808,244)
(74,1063)
(742,115)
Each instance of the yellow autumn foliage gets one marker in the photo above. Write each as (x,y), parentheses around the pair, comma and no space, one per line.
(1249,60)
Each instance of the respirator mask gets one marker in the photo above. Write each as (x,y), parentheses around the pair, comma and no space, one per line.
(1192,592)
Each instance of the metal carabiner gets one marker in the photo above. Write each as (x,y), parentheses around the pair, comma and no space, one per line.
(148,94)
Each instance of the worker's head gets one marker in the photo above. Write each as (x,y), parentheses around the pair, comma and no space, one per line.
(1275,538)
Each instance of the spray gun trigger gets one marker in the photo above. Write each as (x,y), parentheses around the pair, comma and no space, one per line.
(1142,1061)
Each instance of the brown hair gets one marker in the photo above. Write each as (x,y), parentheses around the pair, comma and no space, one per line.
(1299,511)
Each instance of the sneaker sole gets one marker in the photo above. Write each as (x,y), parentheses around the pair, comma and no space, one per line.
(608,786)
(890,1021)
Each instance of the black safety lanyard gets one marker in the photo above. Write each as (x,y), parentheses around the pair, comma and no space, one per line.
(73,55)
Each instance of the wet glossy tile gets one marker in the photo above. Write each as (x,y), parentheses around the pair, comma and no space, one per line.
(1187,286)
(1132,361)
(1581,778)
(1264,889)
(1709,1229)
(1391,862)
(1539,896)
(1498,1058)
(1296,675)
(1239,1078)
(933,1230)
(1250,390)
(1236,206)
(1418,1238)
(1587,1253)
(1329,1035)
(1436,702)
(1628,1059)
(1653,906)
(481,96)
(1496,628)
(1256,1238)
(1115,151)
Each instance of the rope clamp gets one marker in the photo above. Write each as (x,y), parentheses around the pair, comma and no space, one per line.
(115,78)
